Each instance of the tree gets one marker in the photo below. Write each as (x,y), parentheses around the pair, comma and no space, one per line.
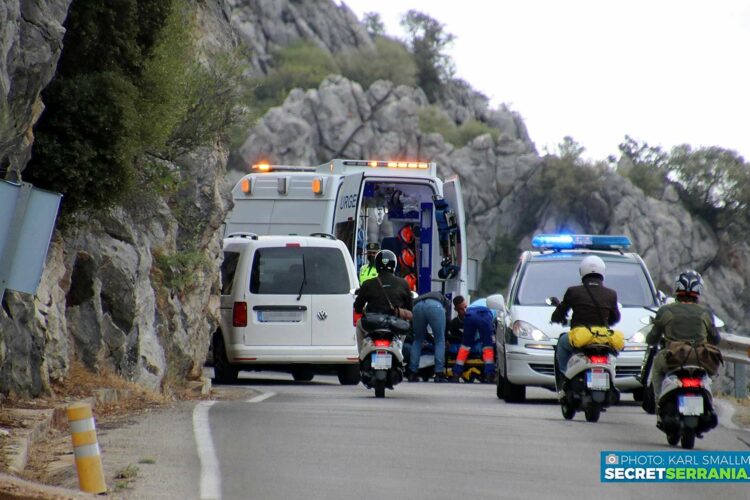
(428,41)
(646,166)
(715,183)
(373,24)
(569,150)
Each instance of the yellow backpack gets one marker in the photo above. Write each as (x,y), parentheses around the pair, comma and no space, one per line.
(583,335)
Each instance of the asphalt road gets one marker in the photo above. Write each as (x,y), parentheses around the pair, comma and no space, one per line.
(320,440)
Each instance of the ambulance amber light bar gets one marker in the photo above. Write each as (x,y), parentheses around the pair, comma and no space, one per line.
(265,167)
(388,164)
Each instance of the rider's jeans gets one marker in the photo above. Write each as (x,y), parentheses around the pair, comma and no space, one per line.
(563,352)
(428,312)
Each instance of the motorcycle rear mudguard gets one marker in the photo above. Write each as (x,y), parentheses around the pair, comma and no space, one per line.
(672,421)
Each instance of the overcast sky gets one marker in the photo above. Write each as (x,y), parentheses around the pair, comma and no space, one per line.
(663,71)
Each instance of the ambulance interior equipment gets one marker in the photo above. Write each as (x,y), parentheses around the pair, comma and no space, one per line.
(398,215)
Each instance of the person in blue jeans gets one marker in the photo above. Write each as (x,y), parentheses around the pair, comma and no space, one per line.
(429,309)
(476,317)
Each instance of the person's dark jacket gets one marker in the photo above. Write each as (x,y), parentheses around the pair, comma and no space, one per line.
(456,330)
(585,313)
(687,321)
(372,296)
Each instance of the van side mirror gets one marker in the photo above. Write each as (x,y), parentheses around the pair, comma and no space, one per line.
(496,302)
(661,297)
(552,301)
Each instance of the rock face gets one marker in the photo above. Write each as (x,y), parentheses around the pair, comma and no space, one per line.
(113,293)
(31,35)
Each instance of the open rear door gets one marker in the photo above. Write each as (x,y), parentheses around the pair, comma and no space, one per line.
(452,194)
(345,214)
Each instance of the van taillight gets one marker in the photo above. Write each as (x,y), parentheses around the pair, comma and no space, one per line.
(356,317)
(239,314)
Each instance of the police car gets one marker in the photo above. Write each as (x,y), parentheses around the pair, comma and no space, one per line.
(526,339)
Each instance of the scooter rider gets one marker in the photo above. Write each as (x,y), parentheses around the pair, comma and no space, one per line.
(592,304)
(683,320)
(384,294)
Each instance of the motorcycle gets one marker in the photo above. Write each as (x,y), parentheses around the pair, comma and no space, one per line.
(589,382)
(381,356)
(686,406)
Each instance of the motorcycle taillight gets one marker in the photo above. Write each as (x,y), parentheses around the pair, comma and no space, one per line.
(690,382)
(239,314)
(599,360)
(382,343)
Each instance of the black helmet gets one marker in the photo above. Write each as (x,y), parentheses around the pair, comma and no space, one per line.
(689,282)
(385,260)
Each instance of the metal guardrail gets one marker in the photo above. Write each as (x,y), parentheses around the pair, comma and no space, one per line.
(736,350)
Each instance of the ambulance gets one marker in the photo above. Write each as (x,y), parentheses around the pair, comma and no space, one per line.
(401,206)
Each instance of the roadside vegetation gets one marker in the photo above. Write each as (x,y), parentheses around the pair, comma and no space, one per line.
(128,95)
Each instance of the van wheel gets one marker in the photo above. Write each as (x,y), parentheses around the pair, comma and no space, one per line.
(303,374)
(224,371)
(514,393)
(349,375)
(500,386)
(638,394)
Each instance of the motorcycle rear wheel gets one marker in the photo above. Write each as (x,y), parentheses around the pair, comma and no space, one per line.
(380,388)
(593,413)
(688,439)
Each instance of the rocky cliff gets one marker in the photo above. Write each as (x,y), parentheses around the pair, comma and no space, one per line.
(106,297)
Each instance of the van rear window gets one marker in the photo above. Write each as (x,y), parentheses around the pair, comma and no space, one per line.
(289,270)
(228,269)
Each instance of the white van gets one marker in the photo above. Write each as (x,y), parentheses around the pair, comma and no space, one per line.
(286,304)
(401,206)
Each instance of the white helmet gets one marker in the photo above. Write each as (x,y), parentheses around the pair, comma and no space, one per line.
(591,264)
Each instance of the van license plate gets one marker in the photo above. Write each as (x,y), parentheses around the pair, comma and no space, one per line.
(381,360)
(690,405)
(279,316)
(597,379)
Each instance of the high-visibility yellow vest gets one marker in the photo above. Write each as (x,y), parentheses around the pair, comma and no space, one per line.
(366,272)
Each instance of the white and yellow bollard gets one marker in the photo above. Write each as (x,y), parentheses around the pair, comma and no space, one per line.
(86,449)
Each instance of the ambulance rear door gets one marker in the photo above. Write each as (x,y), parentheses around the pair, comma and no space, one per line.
(346,210)
(452,194)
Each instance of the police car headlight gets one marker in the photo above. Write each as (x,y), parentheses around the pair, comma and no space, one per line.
(524,330)
(638,337)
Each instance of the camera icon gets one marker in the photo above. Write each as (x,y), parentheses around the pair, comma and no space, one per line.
(611,459)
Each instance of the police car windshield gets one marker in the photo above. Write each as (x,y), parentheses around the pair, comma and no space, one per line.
(543,279)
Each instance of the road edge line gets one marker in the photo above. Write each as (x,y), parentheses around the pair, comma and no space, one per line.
(210,487)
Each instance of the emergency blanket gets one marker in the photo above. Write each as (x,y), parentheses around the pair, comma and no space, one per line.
(681,353)
(583,335)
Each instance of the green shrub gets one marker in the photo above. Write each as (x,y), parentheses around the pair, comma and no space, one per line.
(389,61)
(179,271)
(432,119)
(567,183)
(498,266)
(300,65)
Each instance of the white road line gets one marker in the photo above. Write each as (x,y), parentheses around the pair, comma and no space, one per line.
(210,474)
(261,397)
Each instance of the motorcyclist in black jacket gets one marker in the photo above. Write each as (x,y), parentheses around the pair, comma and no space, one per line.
(592,304)
(385,294)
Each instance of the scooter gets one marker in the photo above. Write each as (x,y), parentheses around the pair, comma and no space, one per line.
(589,382)
(381,356)
(686,406)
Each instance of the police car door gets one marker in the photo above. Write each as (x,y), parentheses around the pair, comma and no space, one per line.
(345,215)
(452,194)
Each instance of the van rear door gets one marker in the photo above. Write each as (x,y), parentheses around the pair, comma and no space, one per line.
(329,283)
(278,314)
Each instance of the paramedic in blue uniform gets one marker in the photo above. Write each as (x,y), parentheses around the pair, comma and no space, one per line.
(592,304)
(476,318)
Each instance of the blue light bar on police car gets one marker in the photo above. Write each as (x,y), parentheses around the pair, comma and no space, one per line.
(590,241)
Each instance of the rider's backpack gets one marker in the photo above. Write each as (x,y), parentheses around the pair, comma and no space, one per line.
(583,335)
(680,353)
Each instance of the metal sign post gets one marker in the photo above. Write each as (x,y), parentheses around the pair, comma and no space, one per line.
(27,219)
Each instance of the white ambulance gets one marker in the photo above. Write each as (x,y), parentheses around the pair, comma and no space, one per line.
(401,206)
